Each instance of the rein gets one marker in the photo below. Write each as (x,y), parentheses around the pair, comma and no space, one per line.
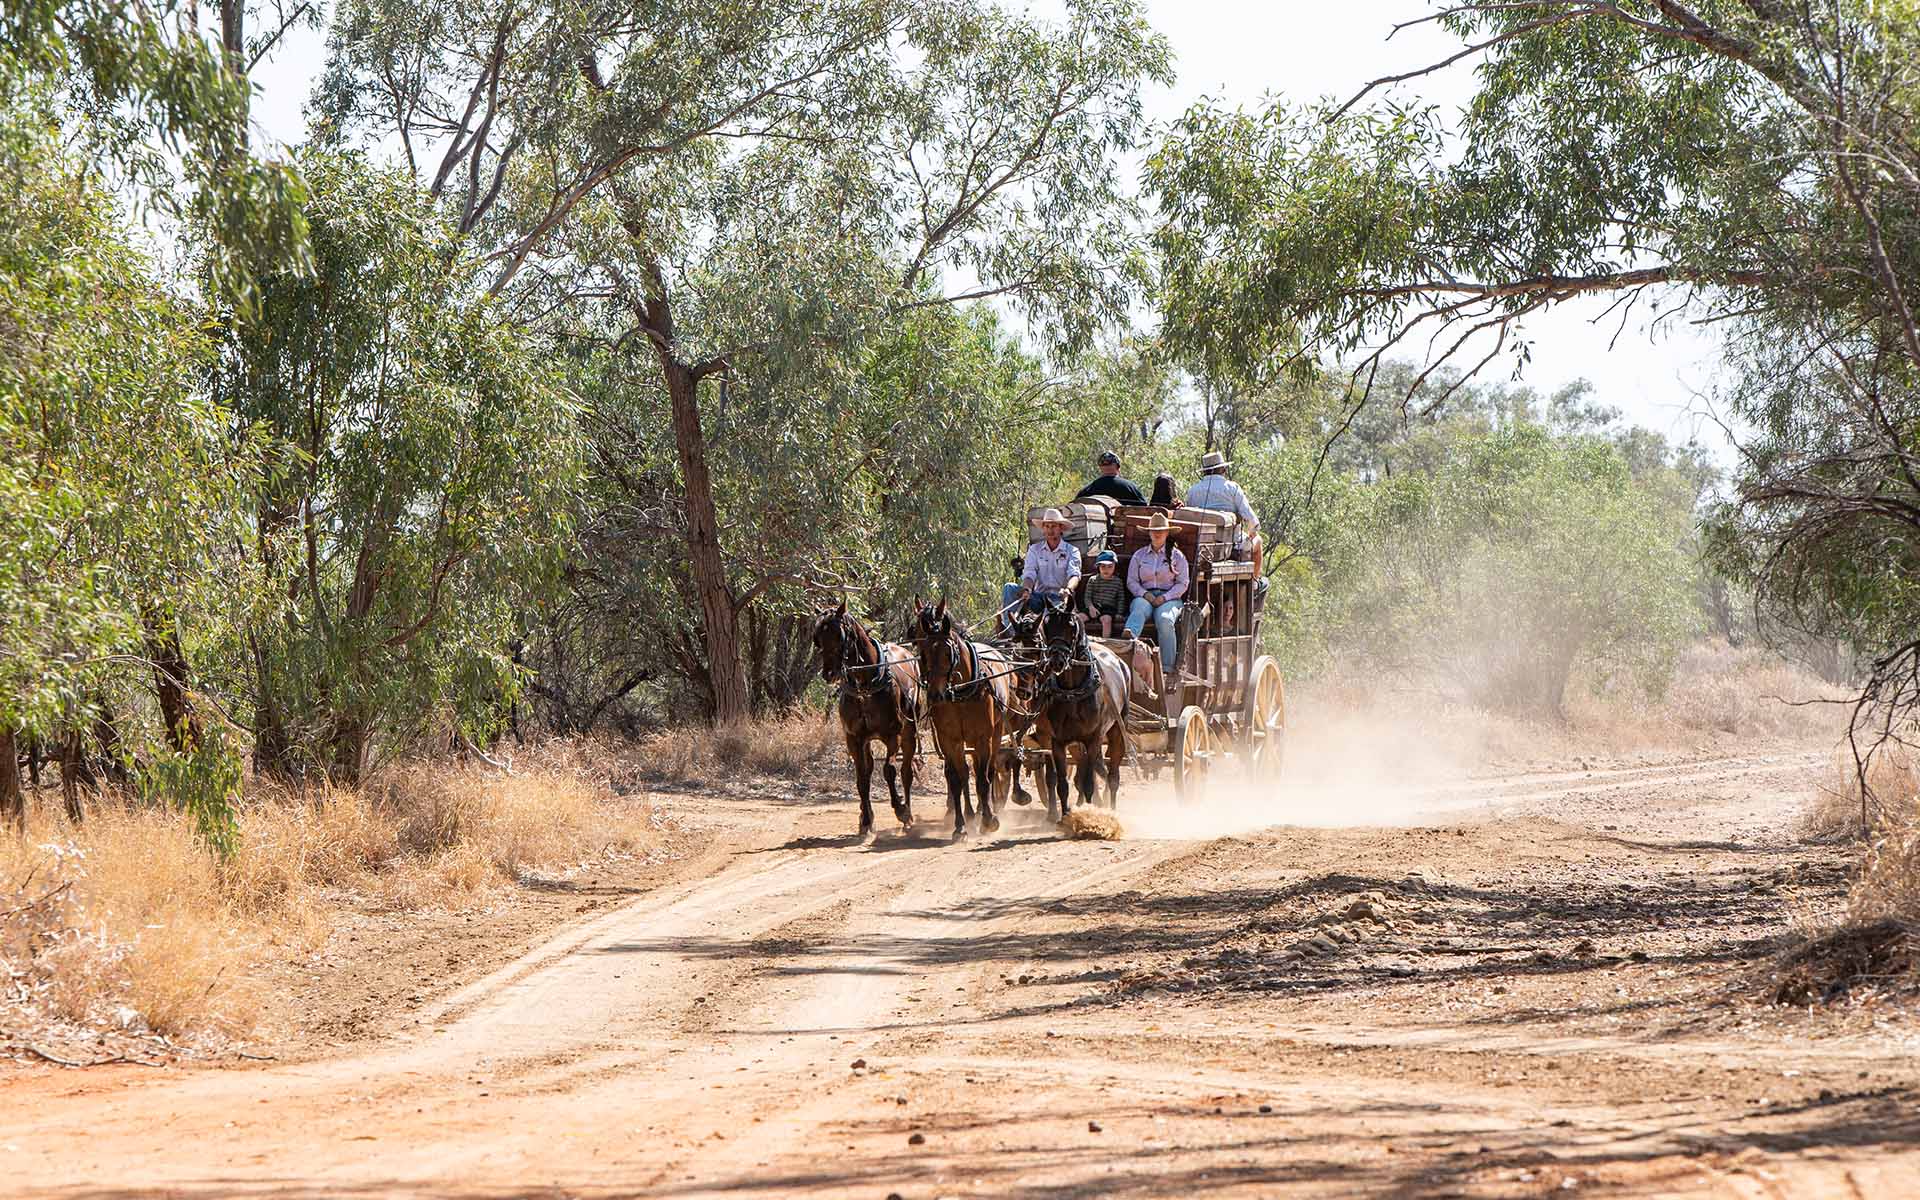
(882,681)
(1051,689)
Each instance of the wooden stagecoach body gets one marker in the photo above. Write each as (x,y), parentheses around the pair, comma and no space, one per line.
(1226,698)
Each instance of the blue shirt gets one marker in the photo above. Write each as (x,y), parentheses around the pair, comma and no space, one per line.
(1048,568)
(1222,495)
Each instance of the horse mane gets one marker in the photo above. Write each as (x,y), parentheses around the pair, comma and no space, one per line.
(959,627)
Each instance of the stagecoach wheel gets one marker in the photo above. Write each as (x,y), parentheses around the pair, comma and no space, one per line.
(1192,751)
(1265,721)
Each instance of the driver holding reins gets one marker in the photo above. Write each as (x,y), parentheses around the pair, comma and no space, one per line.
(1051,570)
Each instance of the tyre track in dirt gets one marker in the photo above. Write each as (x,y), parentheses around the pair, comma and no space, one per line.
(701,1040)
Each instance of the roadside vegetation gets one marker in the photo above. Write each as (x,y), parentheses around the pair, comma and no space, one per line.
(557,411)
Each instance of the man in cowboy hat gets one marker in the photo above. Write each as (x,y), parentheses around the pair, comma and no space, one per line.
(1214,490)
(1109,483)
(1157,577)
(1051,569)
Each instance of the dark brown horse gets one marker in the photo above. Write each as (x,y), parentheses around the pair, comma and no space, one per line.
(1023,723)
(879,702)
(1083,698)
(967,689)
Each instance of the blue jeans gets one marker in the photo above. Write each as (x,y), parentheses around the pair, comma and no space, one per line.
(1165,618)
(1035,603)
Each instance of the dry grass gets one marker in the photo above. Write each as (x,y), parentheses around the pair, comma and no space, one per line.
(1876,941)
(1716,690)
(789,747)
(1893,796)
(143,930)
(1401,731)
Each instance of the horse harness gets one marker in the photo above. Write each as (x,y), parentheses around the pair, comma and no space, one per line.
(1051,689)
(960,693)
(882,681)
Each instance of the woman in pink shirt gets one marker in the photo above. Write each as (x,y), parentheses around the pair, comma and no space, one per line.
(1157,577)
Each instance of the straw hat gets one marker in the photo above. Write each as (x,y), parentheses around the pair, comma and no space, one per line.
(1051,516)
(1212,461)
(1158,523)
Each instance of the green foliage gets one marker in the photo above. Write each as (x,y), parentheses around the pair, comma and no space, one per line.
(148,92)
(1753,163)
(425,456)
(118,479)
(1513,541)
(203,781)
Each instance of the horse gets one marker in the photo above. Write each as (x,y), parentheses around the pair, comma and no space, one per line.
(967,693)
(1024,719)
(1083,696)
(879,701)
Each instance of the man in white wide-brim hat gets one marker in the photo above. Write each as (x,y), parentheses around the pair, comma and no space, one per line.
(1052,568)
(1214,490)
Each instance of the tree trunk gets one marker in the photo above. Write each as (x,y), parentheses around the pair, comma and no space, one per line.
(705,567)
(13,801)
(170,681)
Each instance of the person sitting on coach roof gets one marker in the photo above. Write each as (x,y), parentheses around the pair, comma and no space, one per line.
(1214,490)
(1109,483)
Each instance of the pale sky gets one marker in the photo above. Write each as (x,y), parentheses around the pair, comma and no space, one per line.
(1239,51)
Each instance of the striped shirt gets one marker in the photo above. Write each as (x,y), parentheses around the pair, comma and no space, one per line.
(1106,595)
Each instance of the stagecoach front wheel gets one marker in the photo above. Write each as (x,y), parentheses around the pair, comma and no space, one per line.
(1192,752)
(1265,721)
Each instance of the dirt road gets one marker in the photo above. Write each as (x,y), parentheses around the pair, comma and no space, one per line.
(1512,986)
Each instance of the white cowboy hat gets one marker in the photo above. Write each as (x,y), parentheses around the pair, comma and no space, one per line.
(1051,516)
(1213,460)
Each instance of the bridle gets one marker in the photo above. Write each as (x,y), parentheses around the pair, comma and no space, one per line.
(851,635)
(1062,656)
(956,647)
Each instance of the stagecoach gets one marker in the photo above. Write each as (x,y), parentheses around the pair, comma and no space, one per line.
(1224,699)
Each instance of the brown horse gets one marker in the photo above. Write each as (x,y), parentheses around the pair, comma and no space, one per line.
(1023,722)
(1083,698)
(967,690)
(879,702)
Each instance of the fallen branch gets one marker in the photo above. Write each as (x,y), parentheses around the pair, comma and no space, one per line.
(18,909)
(49,1056)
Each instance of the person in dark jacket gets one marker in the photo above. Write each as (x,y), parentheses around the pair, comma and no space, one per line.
(1109,483)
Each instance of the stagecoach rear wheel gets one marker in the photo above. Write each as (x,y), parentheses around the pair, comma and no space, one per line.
(1192,747)
(1264,723)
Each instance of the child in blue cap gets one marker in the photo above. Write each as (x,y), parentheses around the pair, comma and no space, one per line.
(1105,595)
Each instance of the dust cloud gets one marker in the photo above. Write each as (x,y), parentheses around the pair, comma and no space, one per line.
(1344,767)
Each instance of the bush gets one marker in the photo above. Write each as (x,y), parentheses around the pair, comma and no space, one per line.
(1520,557)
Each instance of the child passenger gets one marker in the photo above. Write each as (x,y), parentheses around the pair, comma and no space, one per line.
(1106,595)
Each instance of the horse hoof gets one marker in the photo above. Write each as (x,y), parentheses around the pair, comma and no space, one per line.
(866,837)
(990,825)
(1023,798)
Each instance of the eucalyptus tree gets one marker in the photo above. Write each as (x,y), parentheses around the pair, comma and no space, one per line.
(122,486)
(418,501)
(1741,161)
(737,195)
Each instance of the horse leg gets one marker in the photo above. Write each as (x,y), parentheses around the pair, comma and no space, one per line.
(1057,781)
(863,781)
(893,785)
(956,795)
(982,768)
(1083,779)
(1116,754)
(909,758)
